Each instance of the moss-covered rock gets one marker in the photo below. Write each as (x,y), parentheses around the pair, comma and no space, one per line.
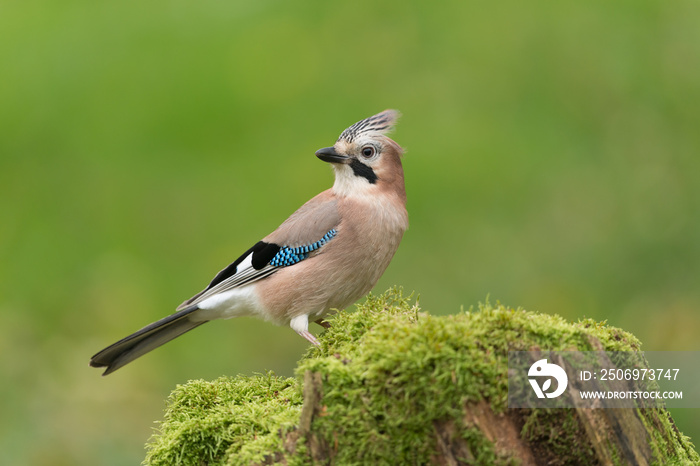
(392,385)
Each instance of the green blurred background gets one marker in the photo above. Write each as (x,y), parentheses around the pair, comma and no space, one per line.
(552,163)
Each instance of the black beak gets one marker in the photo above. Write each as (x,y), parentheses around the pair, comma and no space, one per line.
(328,154)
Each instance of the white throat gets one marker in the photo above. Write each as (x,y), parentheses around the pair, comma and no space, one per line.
(347,184)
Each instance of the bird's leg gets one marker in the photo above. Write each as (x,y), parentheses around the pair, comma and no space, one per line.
(300,324)
(309,336)
(322,323)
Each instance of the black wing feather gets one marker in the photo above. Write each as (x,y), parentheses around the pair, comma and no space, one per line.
(262,254)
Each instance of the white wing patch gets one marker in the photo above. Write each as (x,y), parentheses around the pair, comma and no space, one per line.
(267,256)
(245,274)
(247,263)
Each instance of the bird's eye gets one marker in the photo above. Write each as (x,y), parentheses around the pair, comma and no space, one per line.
(368,151)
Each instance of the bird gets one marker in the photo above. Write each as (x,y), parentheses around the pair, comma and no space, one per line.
(323,258)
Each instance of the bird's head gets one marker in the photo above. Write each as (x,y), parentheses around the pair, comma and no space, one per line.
(365,160)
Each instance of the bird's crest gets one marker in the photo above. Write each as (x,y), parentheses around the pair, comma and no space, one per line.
(380,123)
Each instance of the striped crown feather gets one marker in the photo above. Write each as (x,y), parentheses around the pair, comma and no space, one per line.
(380,123)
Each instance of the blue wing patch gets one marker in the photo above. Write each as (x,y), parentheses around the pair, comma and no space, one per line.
(289,256)
(259,268)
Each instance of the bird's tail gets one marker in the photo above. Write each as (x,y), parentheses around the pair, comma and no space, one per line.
(147,339)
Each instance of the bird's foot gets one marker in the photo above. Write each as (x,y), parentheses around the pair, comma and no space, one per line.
(309,336)
(300,324)
(322,323)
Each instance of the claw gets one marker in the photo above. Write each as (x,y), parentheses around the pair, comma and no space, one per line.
(322,323)
(300,324)
(312,339)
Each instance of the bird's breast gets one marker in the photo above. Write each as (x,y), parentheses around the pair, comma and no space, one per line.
(344,269)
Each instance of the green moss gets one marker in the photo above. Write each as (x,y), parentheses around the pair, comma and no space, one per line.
(669,445)
(563,441)
(390,374)
(211,422)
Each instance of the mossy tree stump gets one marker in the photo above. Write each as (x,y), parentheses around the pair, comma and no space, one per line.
(392,385)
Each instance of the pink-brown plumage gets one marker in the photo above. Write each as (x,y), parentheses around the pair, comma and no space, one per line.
(325,256)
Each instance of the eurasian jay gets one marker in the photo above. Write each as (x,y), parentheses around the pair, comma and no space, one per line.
(324,257)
